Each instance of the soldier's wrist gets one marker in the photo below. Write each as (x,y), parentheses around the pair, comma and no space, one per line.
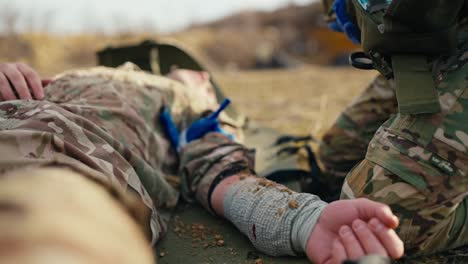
(277,220)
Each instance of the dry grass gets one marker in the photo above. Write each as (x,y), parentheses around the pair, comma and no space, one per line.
(295,101)
(300,100)
(50,54)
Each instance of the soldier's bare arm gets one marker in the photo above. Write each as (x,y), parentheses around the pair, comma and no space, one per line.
(19,81)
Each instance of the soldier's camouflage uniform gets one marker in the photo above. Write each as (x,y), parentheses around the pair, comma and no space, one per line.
(345,143)
(104,124)
(417,164)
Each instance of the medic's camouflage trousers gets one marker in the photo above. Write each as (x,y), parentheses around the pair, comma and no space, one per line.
(417,164)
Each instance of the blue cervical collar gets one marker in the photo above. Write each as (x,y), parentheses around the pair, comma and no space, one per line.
(343,22)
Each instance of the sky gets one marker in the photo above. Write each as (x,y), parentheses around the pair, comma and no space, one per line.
(106,15)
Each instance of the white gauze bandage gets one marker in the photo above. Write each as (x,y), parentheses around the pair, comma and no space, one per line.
(277,221)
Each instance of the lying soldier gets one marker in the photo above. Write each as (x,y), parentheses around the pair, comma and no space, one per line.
(86,173)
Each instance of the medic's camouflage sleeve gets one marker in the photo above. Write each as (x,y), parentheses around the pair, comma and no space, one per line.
(418,164)
(206,161)
(345,143)
(105,122)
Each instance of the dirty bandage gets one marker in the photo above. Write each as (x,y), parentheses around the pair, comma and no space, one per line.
(277,220)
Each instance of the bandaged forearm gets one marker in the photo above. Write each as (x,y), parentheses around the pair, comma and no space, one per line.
(277,221)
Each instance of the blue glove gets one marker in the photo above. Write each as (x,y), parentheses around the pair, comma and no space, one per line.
(343,22)
(196,130)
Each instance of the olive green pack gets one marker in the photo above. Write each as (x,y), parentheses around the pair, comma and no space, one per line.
(402,38)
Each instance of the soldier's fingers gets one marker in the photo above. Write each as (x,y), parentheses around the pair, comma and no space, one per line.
(6,89)
(350,243)
(369,209)
(19,83)
(388,238)
(368,240)
(338,252)
(33,79)
(385,214)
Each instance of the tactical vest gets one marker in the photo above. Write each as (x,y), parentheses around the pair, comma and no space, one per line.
(400,37)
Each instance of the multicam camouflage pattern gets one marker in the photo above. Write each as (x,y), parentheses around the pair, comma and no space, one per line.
(214,156)
(105,123)
(418,165)
(345,144)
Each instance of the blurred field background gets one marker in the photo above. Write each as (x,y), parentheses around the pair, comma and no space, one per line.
(282,68)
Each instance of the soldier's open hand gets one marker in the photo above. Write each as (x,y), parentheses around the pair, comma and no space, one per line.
(351,229)
(19,81)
